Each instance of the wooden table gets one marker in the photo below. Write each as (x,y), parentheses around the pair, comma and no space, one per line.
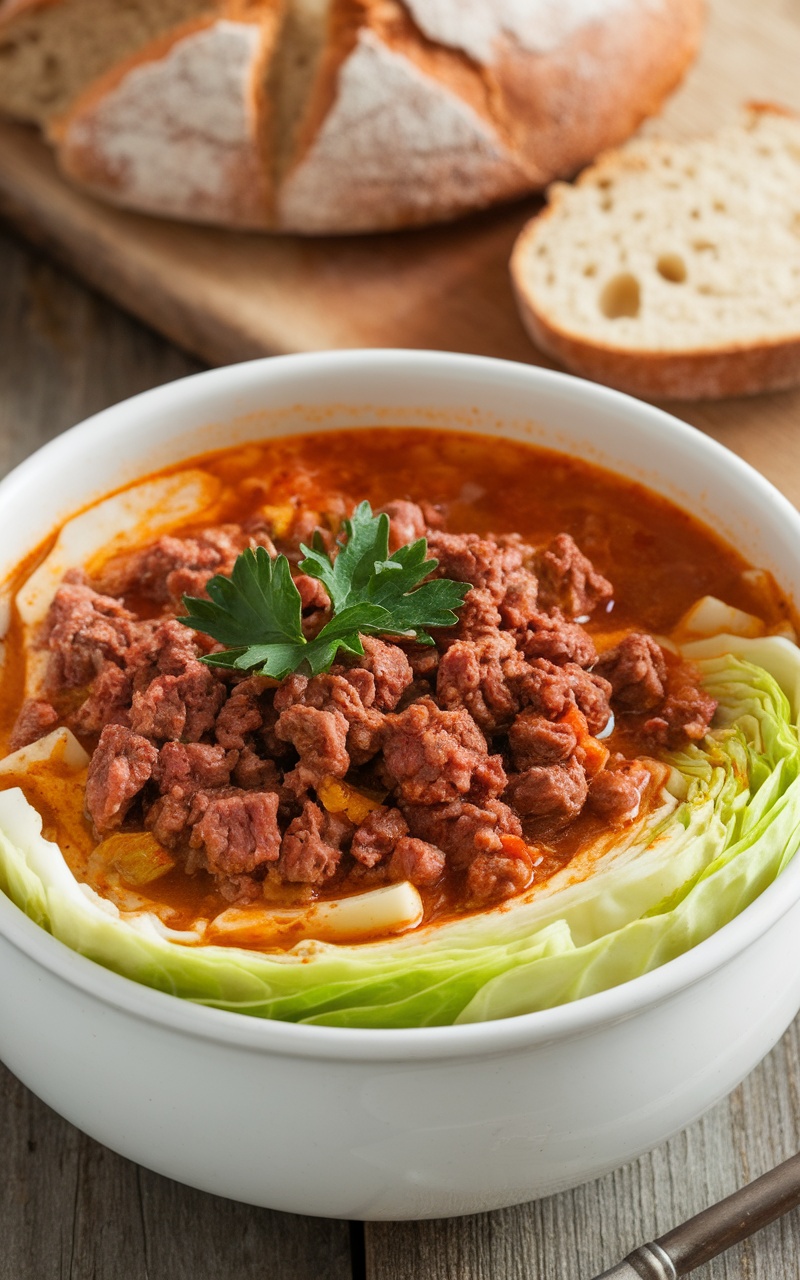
(71,1210)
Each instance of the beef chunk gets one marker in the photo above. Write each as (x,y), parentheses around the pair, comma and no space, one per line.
(416,860)
(570,582)
(556,792)
(192,766)
(349,694)
(313,595)
(320,739)
(406,523)
(535,740)
(551,636)
(496,876)
(390,670)
(36,718)
(478,616)
(636,671)
(615,794)
(434,756)
(119,769)
(242,714)
(83,629)
(168,819)
(254,773)
(311,850)
(591,693)
(481,675)
(463,829)
(686,712)
(486,563)
(238,833)
(518,608)
(173,707)
(545,688)
(108,702)
(172,567)
(377,835)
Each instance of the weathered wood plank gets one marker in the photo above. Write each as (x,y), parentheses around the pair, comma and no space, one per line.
(69,1208)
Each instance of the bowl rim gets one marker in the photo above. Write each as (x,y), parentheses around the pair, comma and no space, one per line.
(479,1039)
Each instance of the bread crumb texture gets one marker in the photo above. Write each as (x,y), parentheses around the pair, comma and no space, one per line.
(665,247)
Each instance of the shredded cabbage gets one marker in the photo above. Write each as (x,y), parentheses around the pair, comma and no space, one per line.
(727,823)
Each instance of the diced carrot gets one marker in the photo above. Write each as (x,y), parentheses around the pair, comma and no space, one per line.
(591,753)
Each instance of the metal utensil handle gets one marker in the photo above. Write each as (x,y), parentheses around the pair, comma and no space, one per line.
(715,1229)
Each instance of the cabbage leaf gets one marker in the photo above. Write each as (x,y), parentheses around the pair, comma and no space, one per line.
(726,824)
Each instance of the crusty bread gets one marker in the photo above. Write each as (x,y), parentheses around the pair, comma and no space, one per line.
(366,114)
(51,49)
(672,269)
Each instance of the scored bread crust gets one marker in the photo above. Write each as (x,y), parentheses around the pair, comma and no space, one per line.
(701,371)
(150,136)
(404,121)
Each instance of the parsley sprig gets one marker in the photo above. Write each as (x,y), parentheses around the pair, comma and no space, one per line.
(257,611)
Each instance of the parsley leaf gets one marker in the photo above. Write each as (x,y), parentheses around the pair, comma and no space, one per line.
(257,611)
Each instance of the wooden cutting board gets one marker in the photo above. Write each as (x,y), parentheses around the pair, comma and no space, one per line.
(231,296)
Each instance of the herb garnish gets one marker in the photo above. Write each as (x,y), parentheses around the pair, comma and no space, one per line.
(257,611)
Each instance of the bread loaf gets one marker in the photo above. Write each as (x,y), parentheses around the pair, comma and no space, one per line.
(323,116)
(672,269)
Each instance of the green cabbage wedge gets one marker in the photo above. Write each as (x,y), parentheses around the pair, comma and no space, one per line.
(726,824)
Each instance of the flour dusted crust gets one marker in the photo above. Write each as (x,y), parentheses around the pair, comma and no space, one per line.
(358,115)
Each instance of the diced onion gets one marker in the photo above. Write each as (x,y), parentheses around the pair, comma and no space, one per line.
(391,909)
(712,617)
(60,747)
(136,856)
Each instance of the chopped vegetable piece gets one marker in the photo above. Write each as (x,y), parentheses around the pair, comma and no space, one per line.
(137,856)
(390,909)
(712,617)
(279,519)
(342,797)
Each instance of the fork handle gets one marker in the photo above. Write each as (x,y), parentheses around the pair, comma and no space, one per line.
(715,1229)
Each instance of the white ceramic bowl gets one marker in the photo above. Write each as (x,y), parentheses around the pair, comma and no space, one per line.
(407,1123)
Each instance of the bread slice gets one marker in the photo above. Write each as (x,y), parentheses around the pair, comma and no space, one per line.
(183,128)
(51,49)
(672,269)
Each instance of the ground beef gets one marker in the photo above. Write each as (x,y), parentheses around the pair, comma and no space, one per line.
(377,835)
(347,693)
(242,715)
(556,792)
(390,670)
(119,769)
(312,846)
(313,596)
(239,833)
(172,567)
(534,740)
(192,766)
(615,794)
(108,702)
(485,563)
(478,616)
(686,712)
(463,829)
(406,523)
(432,756)
(545,688)
(255,773)
(82,630)
(36,718)
(519,606)
(416,860)
(495,876)
(551,636)
(570,582)
(481,676)
(637,672)
(591,693)
(320,739)
(173,707)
